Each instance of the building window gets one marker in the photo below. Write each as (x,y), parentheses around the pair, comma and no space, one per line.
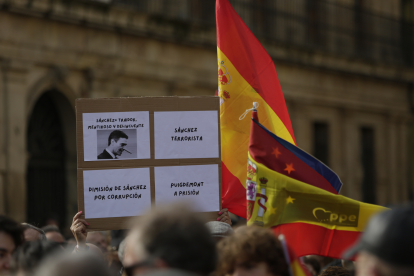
(360,24)
(321,141)
(313,17)
(368,164)
(407,29)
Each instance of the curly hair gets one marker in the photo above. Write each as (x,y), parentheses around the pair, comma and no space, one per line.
(12,228)
(249,246)
(335,271)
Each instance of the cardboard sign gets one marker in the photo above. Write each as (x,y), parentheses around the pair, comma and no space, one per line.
(135,153)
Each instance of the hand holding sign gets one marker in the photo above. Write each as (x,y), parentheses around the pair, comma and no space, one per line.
(78,229)
(224,216)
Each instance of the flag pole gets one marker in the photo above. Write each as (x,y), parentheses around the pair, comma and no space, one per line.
(286,252)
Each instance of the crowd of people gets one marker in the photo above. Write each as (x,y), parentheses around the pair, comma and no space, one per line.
(171,240)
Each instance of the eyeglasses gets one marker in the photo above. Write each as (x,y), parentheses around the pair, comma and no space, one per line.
(129,270)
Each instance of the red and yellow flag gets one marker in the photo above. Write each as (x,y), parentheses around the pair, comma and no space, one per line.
(246,74)
(314,220)
(296,268)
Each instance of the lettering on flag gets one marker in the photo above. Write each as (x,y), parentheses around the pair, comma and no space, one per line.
(319,209)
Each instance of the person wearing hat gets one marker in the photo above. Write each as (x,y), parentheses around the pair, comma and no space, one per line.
(386,248)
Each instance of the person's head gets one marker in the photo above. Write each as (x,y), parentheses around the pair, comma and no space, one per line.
(367,264)
(387,245)
(28,256)
(312,264)
(33,233)
(322,260)
(335,271)
(52,233)
(121,251)
(117,140)
(252,250)
(11,237)
(98,239)
(170,237)
(219,230)
(79,264)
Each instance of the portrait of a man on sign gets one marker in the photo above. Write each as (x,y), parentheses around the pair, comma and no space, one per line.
(117,143)
(114,136)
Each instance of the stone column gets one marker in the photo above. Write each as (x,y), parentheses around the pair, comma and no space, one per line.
(382,169)
(392,163)
(3,130)
(16,148)
(403,195)
(352,161)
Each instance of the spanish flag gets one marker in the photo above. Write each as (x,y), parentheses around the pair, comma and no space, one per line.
(314,221)
(246,74)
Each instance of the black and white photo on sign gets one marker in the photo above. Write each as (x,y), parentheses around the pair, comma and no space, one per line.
(116,192)
(186,134)
(117,144)
(116,136)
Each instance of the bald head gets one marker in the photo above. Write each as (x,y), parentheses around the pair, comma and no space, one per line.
(52,233)
(32,233)
(55,237)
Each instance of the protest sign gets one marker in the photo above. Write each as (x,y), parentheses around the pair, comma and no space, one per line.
(135,153)
(193,134)
(195,184)
(128,197)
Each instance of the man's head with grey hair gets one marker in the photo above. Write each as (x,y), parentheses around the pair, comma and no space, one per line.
(170,237)
(33,233)
(53,234)
(80,264)
(219,230)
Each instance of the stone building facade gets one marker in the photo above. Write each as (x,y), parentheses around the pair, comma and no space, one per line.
(349,89)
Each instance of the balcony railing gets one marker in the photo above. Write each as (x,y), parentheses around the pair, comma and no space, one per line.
(311,25)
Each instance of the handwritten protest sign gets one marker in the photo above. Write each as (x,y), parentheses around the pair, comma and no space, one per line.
(135,153)
(186,134)
(197,184)
(116,193)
